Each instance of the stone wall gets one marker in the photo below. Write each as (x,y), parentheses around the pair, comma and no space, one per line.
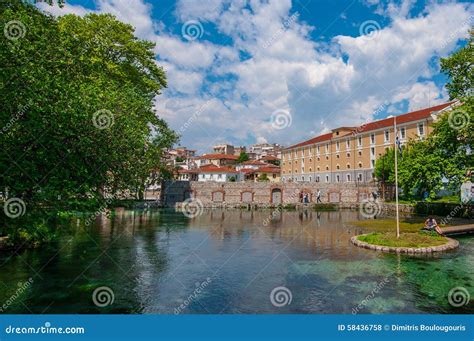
(233,194)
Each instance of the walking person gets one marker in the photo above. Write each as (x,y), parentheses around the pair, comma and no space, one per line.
(318,197)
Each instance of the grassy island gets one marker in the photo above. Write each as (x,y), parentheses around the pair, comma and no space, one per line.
(410,239)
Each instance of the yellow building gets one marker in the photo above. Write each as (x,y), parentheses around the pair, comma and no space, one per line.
(348,154)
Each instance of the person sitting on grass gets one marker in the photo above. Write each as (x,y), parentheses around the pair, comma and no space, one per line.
(432,225)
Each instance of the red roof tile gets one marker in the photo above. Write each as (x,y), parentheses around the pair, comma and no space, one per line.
(215,169)
(387,122)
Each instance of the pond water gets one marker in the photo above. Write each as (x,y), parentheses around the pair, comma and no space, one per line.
(160,261)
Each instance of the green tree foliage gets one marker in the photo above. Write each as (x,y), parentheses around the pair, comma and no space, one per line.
(447,153)
(243,157)
(459,68)
(385,167)
(76,111)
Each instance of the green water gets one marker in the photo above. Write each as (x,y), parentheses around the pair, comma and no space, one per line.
(162,262)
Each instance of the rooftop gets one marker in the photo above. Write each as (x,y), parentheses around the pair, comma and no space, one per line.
(386,122)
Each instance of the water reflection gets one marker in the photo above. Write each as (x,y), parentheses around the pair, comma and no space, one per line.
(156,261)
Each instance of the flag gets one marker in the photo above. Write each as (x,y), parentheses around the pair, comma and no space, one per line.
(399,144)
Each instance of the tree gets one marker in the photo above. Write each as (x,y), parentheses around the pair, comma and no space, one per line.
(385,167)
(242,157)
(263,177)
(76,111)
(459,69)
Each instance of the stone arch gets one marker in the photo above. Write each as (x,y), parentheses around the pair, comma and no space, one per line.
(218,196)
(246,196)
(276,195)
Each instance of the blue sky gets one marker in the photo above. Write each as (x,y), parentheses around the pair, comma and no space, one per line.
(248,71)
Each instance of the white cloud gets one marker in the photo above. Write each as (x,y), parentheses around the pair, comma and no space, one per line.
(345,83)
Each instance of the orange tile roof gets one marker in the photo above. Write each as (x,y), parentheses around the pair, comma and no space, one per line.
(215,169)
(386,122)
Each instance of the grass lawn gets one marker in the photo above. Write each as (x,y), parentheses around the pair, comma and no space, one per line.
(410,239)
(388,225)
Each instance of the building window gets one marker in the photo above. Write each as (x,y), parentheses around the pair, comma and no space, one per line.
(421,129)
(327,167)
(348,154)
(372,151)
(338,178)
(319,159)
(327,157)
(337,156)
(372,163)
(318,168)
(309,179)
(317,178)
(337,166)
(372,138)
(317,150)
(337,146)
(310,169)
(387,136)
(360,164)
(348,177)
(403,133)
(348,166)
(302,178)
(359,177)
(219,176)
(274,176)
(302,152)
(327,178)
(360,153)
(348,144)
(327,148)
(359,141)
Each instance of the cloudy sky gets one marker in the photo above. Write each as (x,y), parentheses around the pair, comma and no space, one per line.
(248,71)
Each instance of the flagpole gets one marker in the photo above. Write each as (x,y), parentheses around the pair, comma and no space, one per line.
(396,173)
